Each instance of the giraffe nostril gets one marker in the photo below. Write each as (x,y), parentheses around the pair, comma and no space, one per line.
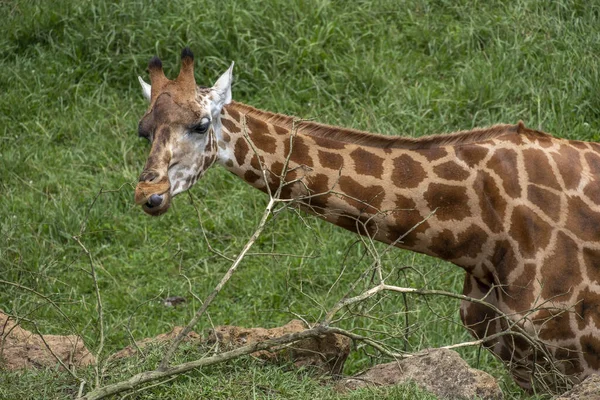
(155,200)
(148,176)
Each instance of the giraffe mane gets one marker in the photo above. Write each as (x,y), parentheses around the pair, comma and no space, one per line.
(354,136)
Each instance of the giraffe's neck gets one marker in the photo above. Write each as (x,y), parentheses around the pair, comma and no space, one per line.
(419,196)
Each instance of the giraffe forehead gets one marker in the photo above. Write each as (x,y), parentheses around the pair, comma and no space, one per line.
(170,111)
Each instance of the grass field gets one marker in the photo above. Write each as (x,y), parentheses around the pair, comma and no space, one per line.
(69,107)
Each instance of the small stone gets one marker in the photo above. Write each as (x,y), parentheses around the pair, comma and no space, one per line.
(174,301)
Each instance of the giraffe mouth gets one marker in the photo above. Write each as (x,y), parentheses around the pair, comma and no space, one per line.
(157,204)
(153,198)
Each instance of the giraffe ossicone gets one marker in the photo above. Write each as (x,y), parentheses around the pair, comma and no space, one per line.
(517,209)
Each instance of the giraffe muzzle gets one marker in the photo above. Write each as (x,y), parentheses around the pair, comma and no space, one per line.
(157,204)
(154,201)
(154,197)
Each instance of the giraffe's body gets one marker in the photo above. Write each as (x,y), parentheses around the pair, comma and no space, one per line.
(517,209)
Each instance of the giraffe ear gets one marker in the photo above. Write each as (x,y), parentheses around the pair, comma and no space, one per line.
(146,88)
(223,87)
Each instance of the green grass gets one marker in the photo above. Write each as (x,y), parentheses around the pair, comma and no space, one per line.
(69,108)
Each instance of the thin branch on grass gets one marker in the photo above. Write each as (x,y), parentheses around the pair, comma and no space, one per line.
(210,247)
(150,376)
(43,296)
(99,310)
(138,390)
(198,299)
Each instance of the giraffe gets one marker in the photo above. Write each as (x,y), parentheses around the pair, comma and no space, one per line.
(517,209)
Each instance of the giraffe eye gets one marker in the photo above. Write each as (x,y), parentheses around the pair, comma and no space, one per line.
(202,126)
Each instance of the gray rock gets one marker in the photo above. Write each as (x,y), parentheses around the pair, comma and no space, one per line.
(589,389)
(439,371)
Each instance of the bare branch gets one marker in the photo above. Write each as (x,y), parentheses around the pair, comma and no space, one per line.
(46,298)
(158,374)
(98,310)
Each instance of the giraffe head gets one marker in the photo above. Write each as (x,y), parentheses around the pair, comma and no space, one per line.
(181,123)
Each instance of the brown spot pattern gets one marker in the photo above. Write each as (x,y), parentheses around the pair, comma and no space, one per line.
(234,114)
(255,162)
(406,216)
(504,163)
(569,166)
(432,154)
(466,244)
(547,201)
(451,171)
(591,259)
(259,134)
(251,176)
(300,151)
(471,155)
(504,260)
(593,161)
(538,169)
(330,160)
(582,220)
(256,126)
(560,271)
(590,346)
(366,199)
(569,356)
(280,130)
(451,202)
(519,294)
(515,139)
(318,186)
(367,163)
(491,202)
(554,324)
(328,143)
(407,172)
(529,230)
(587,308)
(478,318)
(595,147)
(241,150)
(230,126)
(276,169)
(361,224)
(592,191)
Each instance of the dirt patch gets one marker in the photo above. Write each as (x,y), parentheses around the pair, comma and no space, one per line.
(439,371)
(163,337)
(327,352)
(589,389)
(20,348)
